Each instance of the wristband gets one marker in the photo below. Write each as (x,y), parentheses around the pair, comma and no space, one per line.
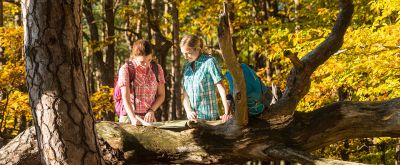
(150,110)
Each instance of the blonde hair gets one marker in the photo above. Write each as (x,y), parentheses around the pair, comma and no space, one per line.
(141,48)
(192,41)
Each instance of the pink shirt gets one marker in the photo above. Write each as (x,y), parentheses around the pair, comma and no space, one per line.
(145,85)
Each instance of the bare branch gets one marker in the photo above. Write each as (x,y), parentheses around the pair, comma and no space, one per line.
(298,81)
(343,120)
(128,30)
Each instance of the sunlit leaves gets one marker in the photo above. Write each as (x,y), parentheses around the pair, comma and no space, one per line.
(102,101)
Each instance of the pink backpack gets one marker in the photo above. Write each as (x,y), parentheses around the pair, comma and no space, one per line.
(117,97)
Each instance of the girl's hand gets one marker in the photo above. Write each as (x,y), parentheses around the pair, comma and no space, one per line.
(191,115)
(150,117)
(225,117)
(135,122)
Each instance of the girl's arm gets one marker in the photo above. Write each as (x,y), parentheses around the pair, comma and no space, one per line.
(190,114)
(222,93)
(160,97)
(126,101)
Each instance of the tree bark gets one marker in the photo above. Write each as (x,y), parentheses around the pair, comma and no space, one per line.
(225,44)
(213,142)
(343,120)
(64,122)
(176,72)
(110,51)
(6,94)
(21,150)
(1,15)
(22,123)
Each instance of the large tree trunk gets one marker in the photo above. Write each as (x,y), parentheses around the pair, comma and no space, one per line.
(64,122)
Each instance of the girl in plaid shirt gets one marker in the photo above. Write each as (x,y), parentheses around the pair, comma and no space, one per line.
(202,76)
(147,94)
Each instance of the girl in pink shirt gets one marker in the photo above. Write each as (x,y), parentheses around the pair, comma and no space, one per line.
(144,95)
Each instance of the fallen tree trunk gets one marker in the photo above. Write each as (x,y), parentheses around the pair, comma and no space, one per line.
(175,142)
(21,150)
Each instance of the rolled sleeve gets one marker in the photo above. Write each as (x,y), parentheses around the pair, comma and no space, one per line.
(215,71)
(161,77)
(123,76)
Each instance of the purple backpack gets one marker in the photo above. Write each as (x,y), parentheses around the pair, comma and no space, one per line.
(117,97)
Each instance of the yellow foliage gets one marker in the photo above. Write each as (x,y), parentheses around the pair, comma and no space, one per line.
(102,101)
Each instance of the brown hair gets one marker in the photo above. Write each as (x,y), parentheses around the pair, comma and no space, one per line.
(192,41)
(141,48)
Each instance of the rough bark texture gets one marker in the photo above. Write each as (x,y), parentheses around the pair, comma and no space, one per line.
(225,44)
(298,81)
(64,122)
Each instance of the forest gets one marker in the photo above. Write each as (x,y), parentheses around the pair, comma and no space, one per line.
(334,67)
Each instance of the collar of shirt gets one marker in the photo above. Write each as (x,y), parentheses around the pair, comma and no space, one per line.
(197,63)
(140,68)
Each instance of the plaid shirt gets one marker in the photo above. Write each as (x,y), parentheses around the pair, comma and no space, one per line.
(145,85)
(199,84)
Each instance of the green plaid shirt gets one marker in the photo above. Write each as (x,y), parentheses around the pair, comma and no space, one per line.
(199,84)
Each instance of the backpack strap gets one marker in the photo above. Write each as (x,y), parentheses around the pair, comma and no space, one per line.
(132,73)
(154,67)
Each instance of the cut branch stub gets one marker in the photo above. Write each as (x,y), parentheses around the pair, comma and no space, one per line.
(293,57)
(228,54)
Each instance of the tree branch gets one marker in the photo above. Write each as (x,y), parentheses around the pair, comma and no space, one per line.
(298,81)
(128,30)
(228,54)
(345,120)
